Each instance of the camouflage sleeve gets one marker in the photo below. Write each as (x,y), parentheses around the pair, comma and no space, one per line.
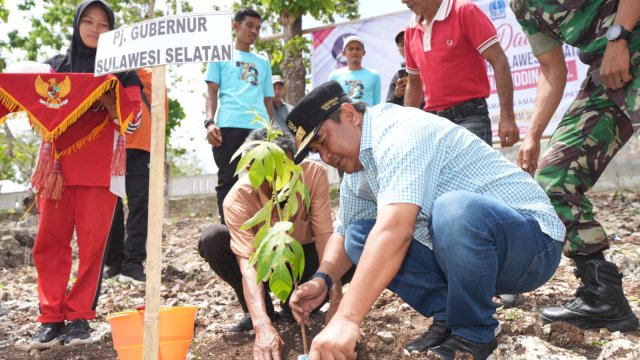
(541,43)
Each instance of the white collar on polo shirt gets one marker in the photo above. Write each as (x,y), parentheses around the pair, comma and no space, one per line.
(443,11)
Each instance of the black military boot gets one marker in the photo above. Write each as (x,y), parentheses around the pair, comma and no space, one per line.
(599,302)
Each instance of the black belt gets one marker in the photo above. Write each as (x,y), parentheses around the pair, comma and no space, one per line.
(464,110)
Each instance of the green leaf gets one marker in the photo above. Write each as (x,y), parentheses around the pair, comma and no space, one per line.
(264,215)
(299,256)
(260,234)
(280,282)
(256,174)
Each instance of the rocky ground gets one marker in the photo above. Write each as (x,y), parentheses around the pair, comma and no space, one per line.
(187,280)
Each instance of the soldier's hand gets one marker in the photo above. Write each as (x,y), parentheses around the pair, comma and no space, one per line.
(214,136)
(614,70)
(528,155)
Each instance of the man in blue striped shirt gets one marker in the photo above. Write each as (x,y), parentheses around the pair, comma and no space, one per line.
(427,210)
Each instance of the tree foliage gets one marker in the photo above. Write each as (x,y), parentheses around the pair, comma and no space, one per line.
(290,55)
(275,250)
(18,154)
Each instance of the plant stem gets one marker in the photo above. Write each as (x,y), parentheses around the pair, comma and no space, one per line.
(303,329)
(305,345)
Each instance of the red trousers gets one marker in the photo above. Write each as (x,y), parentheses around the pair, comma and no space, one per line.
(88,209)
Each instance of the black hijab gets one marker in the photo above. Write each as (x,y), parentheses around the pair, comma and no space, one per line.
(80,58)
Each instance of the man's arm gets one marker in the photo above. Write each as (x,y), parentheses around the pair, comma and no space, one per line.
(214,136)
(615,64)
(551,83)
(268,343)
(383,254)
(507,128)
(413,93)
(310,295)
(268,103)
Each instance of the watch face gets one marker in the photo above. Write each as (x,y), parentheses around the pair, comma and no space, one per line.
(614,32)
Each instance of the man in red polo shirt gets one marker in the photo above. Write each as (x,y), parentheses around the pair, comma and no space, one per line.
(446,44)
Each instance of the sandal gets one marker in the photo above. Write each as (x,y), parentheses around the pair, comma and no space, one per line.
(507,301)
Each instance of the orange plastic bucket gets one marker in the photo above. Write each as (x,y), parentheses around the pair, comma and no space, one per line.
(176,332)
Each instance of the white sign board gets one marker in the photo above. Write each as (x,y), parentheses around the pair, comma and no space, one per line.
(180,39)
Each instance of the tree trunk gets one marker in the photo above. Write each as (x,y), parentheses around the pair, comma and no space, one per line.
(151,10)
(9,150)
(292,65)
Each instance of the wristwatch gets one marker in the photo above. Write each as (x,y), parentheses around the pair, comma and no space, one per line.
(617,32)
(208,122)
(325,277)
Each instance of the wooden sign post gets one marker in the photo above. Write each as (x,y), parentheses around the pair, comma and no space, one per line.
(154,230)
(180,39)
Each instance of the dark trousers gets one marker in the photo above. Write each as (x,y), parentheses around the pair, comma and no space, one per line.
(132,252)
(472,115)
(232,139)
(215,248)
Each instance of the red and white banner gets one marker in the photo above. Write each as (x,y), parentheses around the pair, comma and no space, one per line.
(525,69)
(381,54)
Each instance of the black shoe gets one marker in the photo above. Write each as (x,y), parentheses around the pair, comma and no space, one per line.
(456,344)
(434,336)
(245,324)
(134,274)
(46,336)
(599,302)
(77,332)
(113,271)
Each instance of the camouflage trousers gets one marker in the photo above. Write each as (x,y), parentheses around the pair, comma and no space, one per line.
(596,126)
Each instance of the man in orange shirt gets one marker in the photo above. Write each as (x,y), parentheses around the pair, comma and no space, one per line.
(228,248)
(125,258)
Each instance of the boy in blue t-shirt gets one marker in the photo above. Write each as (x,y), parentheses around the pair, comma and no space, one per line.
(359,82)
(241,87)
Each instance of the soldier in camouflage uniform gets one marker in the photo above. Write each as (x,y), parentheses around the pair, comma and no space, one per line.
(600,121)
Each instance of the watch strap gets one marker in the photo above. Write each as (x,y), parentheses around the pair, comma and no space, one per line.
(324,276)
(208,122)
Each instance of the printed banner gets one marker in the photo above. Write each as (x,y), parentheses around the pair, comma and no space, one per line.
(381,52)
(180,39)
(525,70)
(382,55)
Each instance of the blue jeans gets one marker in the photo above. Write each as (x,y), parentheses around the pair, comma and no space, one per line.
(481,247)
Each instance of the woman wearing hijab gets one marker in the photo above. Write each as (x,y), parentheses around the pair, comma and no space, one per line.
(86,203)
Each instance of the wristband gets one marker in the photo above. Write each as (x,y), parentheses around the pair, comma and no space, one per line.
(208,122)
(326,278)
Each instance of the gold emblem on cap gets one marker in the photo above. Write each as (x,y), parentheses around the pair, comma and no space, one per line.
(291,126)
(330,103)
(300,133)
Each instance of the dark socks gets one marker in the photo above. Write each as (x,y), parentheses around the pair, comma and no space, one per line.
(581,259)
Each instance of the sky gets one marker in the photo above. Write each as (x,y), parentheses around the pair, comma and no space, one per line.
(190,91)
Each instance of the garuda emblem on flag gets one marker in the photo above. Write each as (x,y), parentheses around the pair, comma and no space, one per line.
(53,93)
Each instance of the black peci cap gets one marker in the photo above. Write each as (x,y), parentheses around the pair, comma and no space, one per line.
(305,119)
